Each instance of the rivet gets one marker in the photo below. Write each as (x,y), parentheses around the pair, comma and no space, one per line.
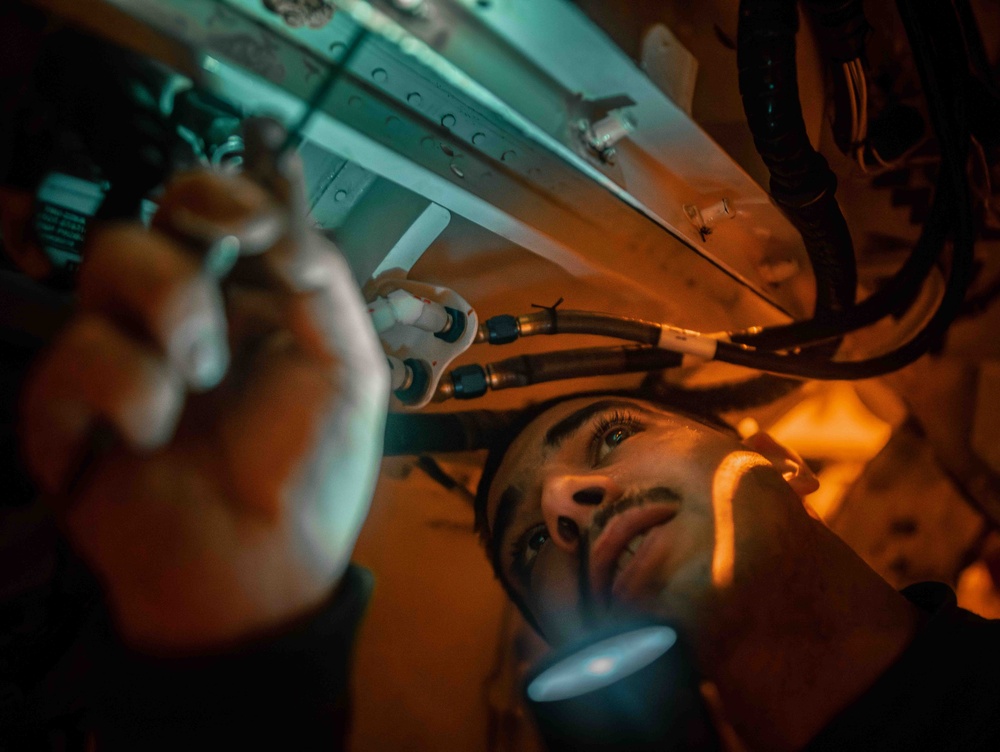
(380,75)
(448,121)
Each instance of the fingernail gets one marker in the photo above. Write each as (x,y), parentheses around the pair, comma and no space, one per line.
(207,358)
(222,256)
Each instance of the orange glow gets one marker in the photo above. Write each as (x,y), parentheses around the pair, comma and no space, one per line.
(724,483)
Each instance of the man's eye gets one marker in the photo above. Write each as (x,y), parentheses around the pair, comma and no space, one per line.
(536,541)
(612,433)
(527,549)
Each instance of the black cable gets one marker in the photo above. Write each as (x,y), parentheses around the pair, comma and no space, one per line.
(802,183)
(506,329)
(753,392)
(418,433)
(525,370)
(890,299)
(931,47)
(951,200)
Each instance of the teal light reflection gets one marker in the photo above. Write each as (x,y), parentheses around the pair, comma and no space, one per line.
(602,663)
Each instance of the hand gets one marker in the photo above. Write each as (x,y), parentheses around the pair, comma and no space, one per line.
(248,416)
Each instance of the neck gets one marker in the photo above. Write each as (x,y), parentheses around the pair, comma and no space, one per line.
(814,640)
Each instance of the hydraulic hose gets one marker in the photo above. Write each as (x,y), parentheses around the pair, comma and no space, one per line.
(843,28)
(936,44)
(501,330)
(525,370)
(802,183)
(934,48)
(471,381)
(892,298)
(417,433)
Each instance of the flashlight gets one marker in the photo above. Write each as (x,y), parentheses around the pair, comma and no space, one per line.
(630,688)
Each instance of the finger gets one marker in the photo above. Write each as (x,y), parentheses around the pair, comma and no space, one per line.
(332,319)
(95,375)
(149,285)
(200,209)
(279,170)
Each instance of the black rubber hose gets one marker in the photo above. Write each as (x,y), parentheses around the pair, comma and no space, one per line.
(525,370)
(892,298)
(417,433)
(753,392)
(843,24)
(560,321)
(802,183)
(936,43)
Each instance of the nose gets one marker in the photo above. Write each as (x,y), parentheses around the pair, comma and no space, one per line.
(569,503)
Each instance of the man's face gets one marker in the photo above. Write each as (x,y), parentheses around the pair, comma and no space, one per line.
(605,507)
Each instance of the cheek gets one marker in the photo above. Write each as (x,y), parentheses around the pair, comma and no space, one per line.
(555,594)
(684,461)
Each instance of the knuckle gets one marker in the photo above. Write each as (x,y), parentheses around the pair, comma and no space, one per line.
(104,246)
(211,195)
(86,335)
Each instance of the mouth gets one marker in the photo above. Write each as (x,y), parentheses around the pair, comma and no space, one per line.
(619,542)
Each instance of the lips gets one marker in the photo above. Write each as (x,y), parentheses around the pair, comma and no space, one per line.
(614,541)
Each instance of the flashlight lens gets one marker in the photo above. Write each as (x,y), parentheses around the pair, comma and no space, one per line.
(602,663)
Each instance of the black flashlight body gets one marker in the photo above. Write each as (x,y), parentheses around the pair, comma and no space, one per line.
(658,707)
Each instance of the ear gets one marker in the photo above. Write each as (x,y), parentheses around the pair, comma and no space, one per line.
(792,467)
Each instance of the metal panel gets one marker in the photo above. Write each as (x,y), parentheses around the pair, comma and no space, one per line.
(407,113)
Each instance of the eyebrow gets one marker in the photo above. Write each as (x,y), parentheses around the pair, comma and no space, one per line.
(562,430)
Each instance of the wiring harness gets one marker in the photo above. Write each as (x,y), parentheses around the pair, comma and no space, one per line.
(935,37)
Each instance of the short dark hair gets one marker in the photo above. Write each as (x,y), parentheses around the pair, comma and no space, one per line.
(668,400)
